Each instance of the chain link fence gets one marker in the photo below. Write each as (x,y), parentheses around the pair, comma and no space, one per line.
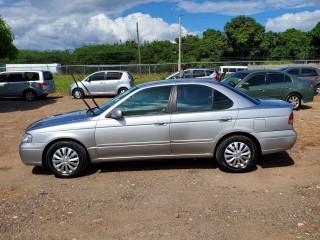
(165,68)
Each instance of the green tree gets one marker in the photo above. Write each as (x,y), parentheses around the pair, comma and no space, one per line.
(7,49)
(296,43)
(245,35)
(213,46)
(315,39)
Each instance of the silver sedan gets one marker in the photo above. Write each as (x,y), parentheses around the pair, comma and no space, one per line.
(166,119)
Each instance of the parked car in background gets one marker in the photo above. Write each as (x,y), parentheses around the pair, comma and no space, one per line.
(170,119)
(231,69)
(272,84)
(103,83)
(198,73)
(306,73)
(27,84)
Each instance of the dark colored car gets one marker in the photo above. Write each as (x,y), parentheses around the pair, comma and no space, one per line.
(272,84)
(306,73)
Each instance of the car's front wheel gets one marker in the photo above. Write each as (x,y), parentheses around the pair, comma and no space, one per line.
(67,159)
(78,93)
(295,100)
(236,154)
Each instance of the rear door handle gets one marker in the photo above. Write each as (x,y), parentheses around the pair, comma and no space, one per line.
(225,119)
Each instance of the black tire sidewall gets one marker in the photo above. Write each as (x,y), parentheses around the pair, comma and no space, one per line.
(80,91)
(225,143)
(83,159)
(121,89)
(30,91)
(296,95)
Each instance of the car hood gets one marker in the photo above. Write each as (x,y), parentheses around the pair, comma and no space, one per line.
(60,119)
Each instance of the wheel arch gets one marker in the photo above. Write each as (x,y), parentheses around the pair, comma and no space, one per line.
(297,93)
(29,89)
(254,139)
(46,149)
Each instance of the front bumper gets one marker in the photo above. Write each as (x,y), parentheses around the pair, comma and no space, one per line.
(31,153)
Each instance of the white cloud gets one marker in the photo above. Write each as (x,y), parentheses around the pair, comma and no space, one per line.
(303,21)
(47,25)
(71,32)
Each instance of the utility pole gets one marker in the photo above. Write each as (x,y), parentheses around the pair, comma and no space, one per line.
(138,43)
(179,59)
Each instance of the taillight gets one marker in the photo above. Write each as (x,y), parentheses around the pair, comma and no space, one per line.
(291,118)
(218,77)
(43,84)
(312,83)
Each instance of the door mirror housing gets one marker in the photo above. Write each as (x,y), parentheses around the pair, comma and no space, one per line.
(244,85)
(116,113)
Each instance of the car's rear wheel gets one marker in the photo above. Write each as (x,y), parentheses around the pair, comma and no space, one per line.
(30,95)
(295,100)
(316,89)
(67,159)
(78,93)
(236,154)
(122,90)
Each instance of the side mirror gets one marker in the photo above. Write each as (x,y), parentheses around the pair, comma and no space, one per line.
(244,85)
(116,113)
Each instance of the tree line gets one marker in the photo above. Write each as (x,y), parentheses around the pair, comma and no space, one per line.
(242,39)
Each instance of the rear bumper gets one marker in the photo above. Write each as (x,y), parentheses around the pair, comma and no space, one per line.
(277,141)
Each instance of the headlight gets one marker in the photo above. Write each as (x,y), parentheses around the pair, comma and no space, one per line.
(27,138)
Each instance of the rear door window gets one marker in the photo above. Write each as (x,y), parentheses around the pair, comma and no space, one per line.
(199,73)
(194,98)
(114,75)
(274,78)
(32,76)
(308,72)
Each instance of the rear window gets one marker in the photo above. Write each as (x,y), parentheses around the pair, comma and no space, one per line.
(47,76)
(114,75)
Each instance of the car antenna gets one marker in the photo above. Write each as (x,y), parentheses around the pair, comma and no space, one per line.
(85,102)
(92,98)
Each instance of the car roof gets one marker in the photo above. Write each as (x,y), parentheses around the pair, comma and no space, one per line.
(260,71)
(178,81)
(23,71)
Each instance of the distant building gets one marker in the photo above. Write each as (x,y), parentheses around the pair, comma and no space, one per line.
(55,68)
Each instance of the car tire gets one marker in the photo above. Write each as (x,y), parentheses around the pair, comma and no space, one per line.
(295,100)
(67,159)
(30,95)
(122,90)
(78,93)
(236,154)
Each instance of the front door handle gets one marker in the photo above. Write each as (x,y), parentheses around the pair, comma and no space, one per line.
(225,119)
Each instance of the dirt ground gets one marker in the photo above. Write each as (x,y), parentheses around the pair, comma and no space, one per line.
(172,199)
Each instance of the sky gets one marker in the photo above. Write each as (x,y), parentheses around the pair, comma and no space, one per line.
(64,24)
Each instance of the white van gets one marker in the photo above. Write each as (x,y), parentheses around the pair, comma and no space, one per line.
(232,69)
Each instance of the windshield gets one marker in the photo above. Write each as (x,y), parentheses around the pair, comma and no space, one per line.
(234,78)
(105,106)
